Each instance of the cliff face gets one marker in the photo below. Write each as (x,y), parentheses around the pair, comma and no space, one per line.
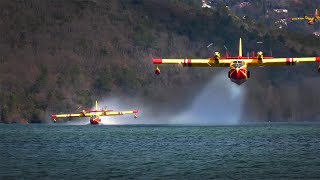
(59,55)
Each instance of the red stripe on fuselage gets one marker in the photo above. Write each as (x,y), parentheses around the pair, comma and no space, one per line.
(287,60)
(157,61)
(318,59)
(187,62)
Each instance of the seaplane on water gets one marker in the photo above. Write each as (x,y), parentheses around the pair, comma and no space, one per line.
(238,66)
(94,115)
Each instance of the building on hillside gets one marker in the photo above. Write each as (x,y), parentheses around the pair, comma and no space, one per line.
(205,4)
(281,23)
(280,11)
(316,33)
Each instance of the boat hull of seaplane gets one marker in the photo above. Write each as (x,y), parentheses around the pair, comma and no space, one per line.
(238,76)
(95,121)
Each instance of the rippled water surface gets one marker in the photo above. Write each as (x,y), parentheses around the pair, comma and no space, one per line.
(269,151)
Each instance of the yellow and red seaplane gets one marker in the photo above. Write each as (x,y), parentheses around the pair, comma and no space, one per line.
(238,66)
(94,115)
(310,19)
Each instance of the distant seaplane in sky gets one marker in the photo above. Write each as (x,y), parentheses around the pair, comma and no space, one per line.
(238,66)
(94,115)
(310,19)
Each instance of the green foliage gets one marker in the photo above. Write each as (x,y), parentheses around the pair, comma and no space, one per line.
(103,82)
(12,100)
(42,79)
(4,110)
(143,37)
(84,98)
(126,79)
(103,52)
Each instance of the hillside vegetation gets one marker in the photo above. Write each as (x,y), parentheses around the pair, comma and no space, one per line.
(58,55)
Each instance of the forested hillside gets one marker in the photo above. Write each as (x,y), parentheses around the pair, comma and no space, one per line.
(59,55)
(274,13)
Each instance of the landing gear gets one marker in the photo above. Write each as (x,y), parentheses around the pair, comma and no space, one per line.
(229,74)
(248,74)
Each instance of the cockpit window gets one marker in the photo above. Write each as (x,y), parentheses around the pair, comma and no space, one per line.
(237,64)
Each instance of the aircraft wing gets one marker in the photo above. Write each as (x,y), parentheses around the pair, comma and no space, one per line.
(210,62)
(295,19)
(302,18)
(117,113)
(281,61)
(54,116)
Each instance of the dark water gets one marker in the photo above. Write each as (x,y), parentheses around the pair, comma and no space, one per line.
(266,151)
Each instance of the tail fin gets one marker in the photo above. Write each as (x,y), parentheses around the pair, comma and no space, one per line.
(316,13)
(240,48)
(96,105)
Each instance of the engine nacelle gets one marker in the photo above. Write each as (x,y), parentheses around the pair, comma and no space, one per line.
(260,58)
(217,57)
(260,55)
(135,116)
(157,71)
(83,113)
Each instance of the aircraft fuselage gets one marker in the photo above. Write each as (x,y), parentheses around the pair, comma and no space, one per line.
(238,72)
(95,120)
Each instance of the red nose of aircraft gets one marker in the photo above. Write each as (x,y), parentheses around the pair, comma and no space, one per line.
(238,75)
(311,22)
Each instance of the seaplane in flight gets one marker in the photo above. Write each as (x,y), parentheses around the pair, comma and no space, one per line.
(238,66)
(310,19)
(94,115)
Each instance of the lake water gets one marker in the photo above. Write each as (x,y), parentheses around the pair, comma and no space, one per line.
(263,151)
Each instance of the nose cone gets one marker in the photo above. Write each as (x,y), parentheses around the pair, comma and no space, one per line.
(311,22)
(238,75)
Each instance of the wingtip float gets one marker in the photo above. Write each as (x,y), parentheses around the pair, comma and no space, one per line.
(94,115)
(238,66)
